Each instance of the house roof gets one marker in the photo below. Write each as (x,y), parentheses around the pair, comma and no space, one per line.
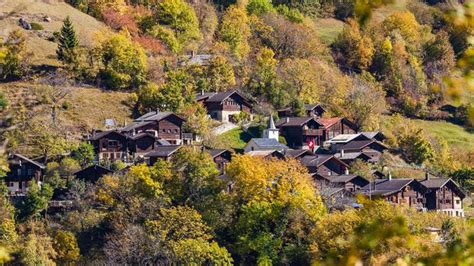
(327,122)
(293,121)
(163,151)
(373,134)
(216,152)
(318,159)
(309,107)
(135,125)
(268,143)
(386,186)
(297,153)
(340,178)
(217,97)
(351,155)
(360,144)
(163,142)
(94,167)
(437,183)
(142,135)
(40,165)
(264,153)
(343,138)
(102,134)
(156,116)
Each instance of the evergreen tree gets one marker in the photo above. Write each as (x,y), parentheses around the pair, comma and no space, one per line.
(68,43)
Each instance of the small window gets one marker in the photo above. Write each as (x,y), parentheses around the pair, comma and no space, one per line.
(458,201)
(10,184)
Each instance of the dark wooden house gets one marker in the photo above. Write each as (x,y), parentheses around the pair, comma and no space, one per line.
(92,173)
(161,152)
(444,195)
(221,158)
(350,183)
(299,132)
(223,106)
(371,148)
(405,192)
(325,165)
(335,126)
(110,145)
(163,125)
(22,171)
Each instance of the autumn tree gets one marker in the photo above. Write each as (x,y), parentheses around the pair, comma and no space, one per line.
(13,60)
(353,50)
(365,103)
(234,31)
(124,62)
(68,43)
(279,205)
(414,145)
(176,24)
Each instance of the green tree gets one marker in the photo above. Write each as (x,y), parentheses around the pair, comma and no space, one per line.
(176,92)
(35,201)
(263,81)
(124,62)
(68,43)
(220,74)
(84,154)
(414,145)
(259,7)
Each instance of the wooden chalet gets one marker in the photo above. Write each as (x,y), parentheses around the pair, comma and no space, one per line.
(406,192)
(350,183)
(221,158)
(350,157)
(223,106)
(371,148)
(300,131)
(92,173)
(138,138)
(22,171)
(325,164)
(335,126)
(313,110)
(161,152)
(444,195)
(163,125)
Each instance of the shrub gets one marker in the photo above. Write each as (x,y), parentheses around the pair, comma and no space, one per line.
(36,26)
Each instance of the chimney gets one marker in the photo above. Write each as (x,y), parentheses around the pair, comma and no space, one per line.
(192,54)
(287,120)
(389,175)
(157,110)
(342,153)
(329,173)
(346,172)
(202,91)
(427,175)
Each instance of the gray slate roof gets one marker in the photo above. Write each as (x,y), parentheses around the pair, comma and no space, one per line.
(40,165)
(293,121)
(269,143)
(386,186)
(154,116)
(163,151)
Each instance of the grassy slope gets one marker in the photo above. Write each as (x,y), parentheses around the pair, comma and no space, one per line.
(89,107)
(34,11)
(328,29)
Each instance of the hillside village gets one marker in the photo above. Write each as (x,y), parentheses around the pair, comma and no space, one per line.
(236,132)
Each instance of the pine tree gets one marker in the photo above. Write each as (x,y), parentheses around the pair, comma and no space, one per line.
(68,43)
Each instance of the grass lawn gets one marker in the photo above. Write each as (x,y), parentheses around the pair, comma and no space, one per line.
(457,136)
(328,29)
(237,138)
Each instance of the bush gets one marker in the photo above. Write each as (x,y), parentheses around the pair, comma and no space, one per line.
(36,26)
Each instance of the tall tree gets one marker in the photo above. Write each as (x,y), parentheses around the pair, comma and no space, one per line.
(67,46)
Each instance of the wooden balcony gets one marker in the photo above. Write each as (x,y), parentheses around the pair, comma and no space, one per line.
(312,132)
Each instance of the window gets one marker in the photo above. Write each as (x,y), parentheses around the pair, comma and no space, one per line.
(176,130)
(30,171)
(458,201)
(10,184)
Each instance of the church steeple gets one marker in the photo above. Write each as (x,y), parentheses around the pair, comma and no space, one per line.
(271,132)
